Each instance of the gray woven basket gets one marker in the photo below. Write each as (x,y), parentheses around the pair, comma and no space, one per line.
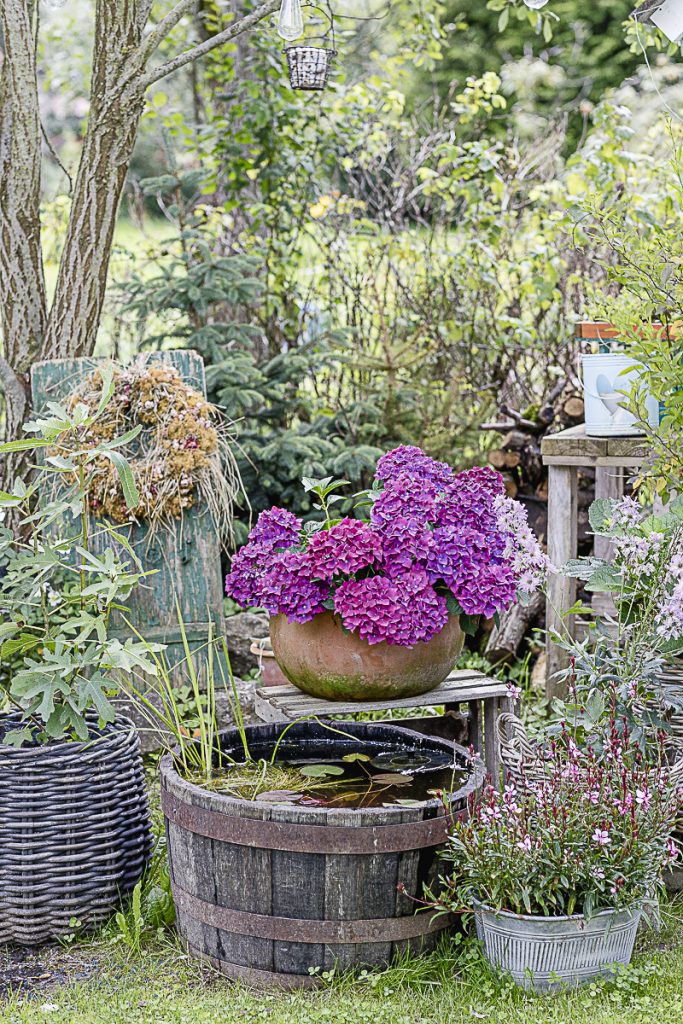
(544,953)
(74,831)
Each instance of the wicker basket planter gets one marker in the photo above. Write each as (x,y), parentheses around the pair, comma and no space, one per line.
(74,831)
(543,953)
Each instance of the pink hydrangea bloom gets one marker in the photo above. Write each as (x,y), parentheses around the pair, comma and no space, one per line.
(404,611)
(345,548)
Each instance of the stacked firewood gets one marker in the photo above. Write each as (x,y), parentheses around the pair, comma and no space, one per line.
(517,457)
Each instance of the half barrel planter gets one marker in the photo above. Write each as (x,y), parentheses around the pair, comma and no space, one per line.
(270,893)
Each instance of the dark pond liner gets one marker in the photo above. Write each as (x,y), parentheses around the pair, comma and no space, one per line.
(268,891)
(74,831)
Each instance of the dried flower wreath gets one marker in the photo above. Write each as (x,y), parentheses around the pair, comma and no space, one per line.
(181,458)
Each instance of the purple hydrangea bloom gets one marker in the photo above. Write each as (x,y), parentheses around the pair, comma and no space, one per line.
(405,542)
(463,559)
(407,459)
(276,528)
(243,582)
(287,588)
(404,611)
(480,479)
(405,496)
(430,531)
(346,547)
(470,499)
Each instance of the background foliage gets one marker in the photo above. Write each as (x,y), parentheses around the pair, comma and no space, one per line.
(398,257)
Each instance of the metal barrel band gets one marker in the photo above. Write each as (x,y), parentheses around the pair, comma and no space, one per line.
(282,835)
(253,976)
(294,929)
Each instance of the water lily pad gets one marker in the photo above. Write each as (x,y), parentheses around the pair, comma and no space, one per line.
(356,757)
(409,760)
(319,771)
(405,802)
(392,779)
(279,796)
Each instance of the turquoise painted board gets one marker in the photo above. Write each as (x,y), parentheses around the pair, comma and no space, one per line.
(187,559)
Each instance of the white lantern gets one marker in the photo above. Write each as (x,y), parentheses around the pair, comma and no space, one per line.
(669,19)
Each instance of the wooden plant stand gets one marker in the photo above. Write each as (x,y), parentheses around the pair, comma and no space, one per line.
(484,698)
(564,454)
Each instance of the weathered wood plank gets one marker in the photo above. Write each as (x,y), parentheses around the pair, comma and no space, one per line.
(186,559)
(359,887)
(631,447)
(299,890)
(281,703)
(573,442)
(562,545)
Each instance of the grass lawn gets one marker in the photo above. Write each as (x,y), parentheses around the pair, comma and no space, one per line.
(105,983)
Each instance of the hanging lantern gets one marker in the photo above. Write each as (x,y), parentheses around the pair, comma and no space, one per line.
(290,23)
(309,66)
(666,15)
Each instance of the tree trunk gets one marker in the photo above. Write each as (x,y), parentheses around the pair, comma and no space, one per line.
(116,106)
(23,311)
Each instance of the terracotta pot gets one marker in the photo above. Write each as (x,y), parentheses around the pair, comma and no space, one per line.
(271,673)
(320,658)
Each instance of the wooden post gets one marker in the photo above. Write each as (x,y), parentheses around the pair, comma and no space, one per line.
(562,545)
(609,483)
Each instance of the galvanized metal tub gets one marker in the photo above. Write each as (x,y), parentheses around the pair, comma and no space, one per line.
(543,953)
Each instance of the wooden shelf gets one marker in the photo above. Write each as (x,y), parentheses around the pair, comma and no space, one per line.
(286,703)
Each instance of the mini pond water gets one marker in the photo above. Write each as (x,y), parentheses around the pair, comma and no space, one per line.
(341,771)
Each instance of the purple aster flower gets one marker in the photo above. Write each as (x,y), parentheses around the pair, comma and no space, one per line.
(276,528)
(522,552)
(345,548)
(670,616)
(410,460)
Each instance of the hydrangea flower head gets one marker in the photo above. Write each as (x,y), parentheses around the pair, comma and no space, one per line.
(276,528)
(410,460)
(346,547)
(432,533)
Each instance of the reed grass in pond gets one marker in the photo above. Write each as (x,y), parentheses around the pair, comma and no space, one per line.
(362,778)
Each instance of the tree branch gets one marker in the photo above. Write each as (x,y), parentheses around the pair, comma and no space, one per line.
(156,36)
(235,29)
